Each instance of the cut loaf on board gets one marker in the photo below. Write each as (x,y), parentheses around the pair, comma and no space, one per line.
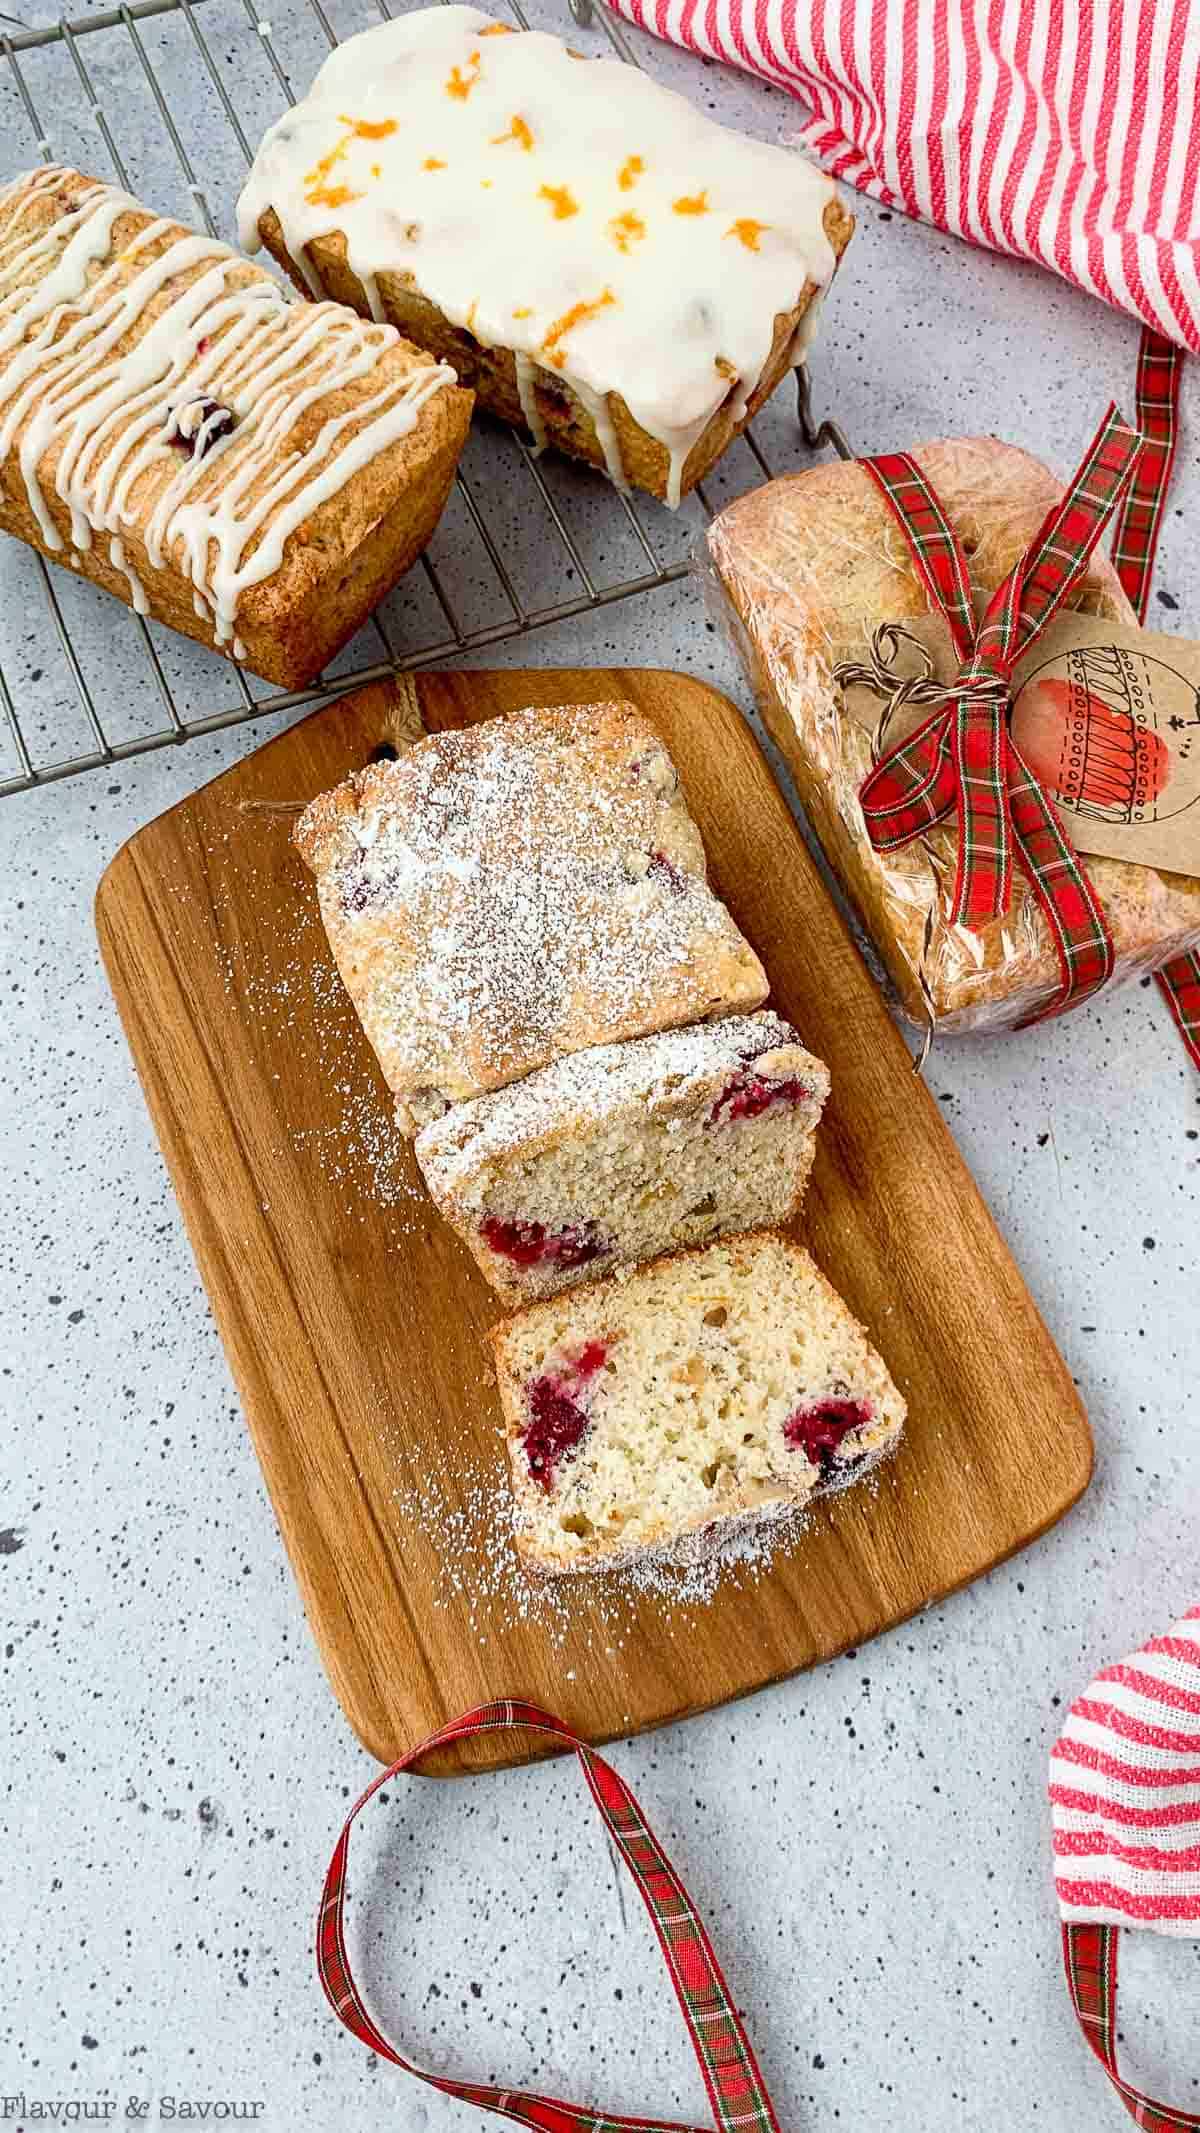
(356,1343)
(670,1410)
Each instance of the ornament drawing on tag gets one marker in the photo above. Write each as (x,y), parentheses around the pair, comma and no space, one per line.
(1113,732)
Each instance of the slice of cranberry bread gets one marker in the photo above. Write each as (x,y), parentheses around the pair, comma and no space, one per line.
(626,1151)
(669,1409)
(507,894)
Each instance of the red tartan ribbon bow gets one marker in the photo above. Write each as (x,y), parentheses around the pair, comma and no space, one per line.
(963,758)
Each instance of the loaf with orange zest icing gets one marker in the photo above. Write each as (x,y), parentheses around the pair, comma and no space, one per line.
(252,471)
(606,266)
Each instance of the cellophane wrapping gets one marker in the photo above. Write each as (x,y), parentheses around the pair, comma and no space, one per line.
(803,571)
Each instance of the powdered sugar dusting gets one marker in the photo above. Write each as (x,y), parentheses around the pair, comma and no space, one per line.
(300,1000)
(480,1574)
(590,1086)
(529,886)
(365,1138)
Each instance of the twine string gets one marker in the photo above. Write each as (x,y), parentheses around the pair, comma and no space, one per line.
(878,674)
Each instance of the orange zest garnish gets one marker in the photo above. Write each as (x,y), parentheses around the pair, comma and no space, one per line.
(625,231)
(691,204)
(369,129)
(518,131)
(485,185)
(461,85)
(748,231)
(576,316)
(321,169)
(525,311)
(497,29)
(321,194)
(377,170)
(560,200)
(331,196)
(433,163)
(629,173)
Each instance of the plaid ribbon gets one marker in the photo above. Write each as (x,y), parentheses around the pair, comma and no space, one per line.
(740,2103)
(1159,375)
(1179,983)
(963,759)
(1135,543)
(1090,1957)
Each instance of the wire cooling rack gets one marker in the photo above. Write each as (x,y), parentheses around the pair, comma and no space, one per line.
(169,98)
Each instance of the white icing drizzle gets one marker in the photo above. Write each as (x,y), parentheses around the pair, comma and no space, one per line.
(526,371)
(137,591)
(596,405)
(806,330)
(174,375)
(576,212)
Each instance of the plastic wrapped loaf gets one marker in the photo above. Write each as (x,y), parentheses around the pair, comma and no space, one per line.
(809,566)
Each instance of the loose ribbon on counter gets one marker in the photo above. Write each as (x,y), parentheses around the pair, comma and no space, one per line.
(962,759)
(1159,376)
(1125,1805)
(1090,1959)
(739,2100)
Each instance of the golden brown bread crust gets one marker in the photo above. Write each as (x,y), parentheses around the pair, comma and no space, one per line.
(811,564)
(491,372)
(517,890)
(336,566)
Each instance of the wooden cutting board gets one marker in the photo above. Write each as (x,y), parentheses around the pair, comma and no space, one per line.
(354,1320)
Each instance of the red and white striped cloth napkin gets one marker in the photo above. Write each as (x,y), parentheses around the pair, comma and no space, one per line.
(1069,135)
(1125,1808)
(1125,1791)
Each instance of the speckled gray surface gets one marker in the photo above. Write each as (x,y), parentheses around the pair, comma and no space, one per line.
(869,1842)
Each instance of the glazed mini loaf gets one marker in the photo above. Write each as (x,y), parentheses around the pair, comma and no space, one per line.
(627,1151)
(524,888)
(252,471)
(604,264)
(667,1411)
(810,565)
